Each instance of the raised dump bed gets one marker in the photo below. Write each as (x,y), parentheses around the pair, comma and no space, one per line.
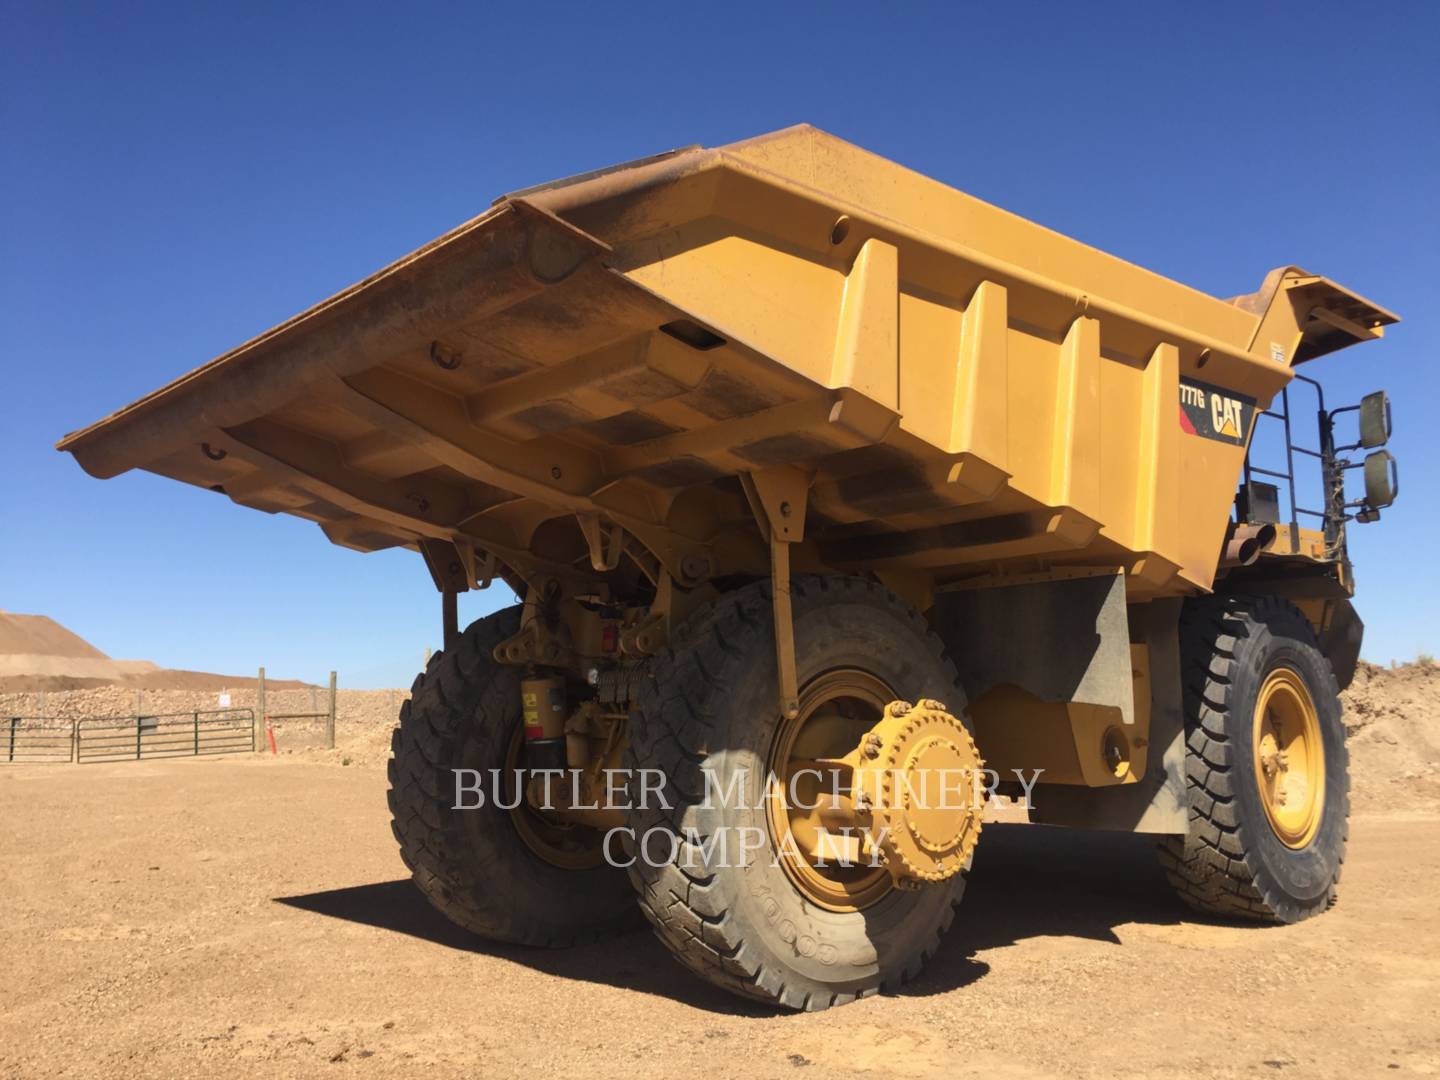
(805,464)
(972,390)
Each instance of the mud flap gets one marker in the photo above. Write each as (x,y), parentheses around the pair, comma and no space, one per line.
(1069,641)
(1341,641)
(1157,804)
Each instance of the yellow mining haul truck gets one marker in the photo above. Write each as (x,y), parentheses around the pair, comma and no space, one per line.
(838,501)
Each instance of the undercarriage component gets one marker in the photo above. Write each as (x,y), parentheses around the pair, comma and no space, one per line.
(605,548)
(534,643)
(918,775)
(542,700)
(908,796)
(581,781)
(778,497)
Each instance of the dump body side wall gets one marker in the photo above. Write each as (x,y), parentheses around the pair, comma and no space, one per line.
(1075,404)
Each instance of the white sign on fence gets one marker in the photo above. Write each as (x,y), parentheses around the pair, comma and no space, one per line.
(223,700)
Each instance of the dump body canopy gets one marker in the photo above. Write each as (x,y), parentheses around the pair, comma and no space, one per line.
(968,392)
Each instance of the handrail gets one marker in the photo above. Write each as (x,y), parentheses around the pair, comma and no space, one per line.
(1332,523)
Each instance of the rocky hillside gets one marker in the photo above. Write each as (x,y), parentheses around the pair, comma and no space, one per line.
(1393,718)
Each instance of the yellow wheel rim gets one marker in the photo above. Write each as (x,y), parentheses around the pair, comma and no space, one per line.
(1289,757)
(836,710)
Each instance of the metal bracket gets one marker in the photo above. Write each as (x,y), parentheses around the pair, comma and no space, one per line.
(603,556)
(652,632)
(447,564)
(778,498)
(541,639)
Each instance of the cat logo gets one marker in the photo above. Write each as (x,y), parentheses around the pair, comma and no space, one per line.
(1227,415)
(1213,413)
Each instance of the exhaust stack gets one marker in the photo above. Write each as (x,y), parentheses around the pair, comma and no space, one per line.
(1245,544)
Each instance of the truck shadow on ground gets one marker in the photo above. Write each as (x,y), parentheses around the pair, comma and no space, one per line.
(1028,881)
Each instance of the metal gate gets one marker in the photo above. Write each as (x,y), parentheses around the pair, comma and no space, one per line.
(36,739)
(197,733)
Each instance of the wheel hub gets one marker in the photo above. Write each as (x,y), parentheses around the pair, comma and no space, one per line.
(1289,758)
(869,795)
(920,790)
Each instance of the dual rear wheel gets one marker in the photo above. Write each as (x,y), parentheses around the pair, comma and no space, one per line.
(728,871)
(733,880)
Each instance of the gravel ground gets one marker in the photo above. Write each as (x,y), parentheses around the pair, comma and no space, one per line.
(250,917)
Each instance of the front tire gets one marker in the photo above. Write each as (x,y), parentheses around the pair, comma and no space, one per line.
(507,875)
(1267,769)
(708,720)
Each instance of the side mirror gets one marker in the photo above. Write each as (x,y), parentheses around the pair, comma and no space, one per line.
(1382,480)
(1374,421)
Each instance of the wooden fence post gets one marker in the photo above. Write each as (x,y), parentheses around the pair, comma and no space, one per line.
(260,704)
(330,717)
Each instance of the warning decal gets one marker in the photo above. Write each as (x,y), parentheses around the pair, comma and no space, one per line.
(1213,413)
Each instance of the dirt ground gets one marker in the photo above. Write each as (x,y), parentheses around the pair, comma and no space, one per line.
(251,917)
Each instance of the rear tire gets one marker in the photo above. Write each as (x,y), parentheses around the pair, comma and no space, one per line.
(473,864)
(709,715)
(1248,855)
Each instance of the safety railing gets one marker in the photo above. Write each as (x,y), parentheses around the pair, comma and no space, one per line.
(1331,517)
(165,735)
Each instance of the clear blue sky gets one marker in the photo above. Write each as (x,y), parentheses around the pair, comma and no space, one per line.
(174,179)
